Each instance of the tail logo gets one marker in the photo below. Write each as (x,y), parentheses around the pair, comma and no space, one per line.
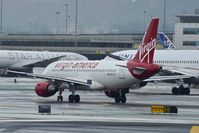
(169,44)
(145,51)
(166,42)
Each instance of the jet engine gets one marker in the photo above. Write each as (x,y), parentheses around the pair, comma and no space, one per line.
(45,89)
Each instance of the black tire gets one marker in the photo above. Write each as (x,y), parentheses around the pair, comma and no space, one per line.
(187,91)
(174,90)
(58,98)
(123,99)
(61,98)
(70,98)
(77,98)
(117,99)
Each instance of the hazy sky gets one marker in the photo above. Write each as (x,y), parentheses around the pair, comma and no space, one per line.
(94,16)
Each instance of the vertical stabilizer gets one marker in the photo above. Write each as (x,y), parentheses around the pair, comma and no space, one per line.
(166,42)
(145,52)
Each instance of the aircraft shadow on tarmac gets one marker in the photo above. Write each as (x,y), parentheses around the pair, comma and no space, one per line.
(134,104)
(91,103)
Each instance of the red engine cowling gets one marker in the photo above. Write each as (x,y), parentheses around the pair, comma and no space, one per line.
(110,93)
(44,89)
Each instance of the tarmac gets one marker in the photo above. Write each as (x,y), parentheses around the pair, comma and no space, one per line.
(96,112)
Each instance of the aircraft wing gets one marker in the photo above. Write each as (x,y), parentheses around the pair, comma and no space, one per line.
(177,73)
(42,63)
(162,78)
(190,71)
(47,77)
(107,53)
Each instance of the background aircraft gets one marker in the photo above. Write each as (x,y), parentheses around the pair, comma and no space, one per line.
(185,62)
(165,41)
(26,60)
(114,77)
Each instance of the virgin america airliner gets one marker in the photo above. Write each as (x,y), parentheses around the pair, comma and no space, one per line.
(114,77)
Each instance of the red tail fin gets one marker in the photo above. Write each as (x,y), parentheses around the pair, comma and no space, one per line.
(145,52)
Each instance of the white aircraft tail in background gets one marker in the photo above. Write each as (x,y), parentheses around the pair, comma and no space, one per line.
(166,42)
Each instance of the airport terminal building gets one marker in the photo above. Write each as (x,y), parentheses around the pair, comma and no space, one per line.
(87,44)
(187,31)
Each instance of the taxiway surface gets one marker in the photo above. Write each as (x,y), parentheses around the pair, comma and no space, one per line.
(96,112)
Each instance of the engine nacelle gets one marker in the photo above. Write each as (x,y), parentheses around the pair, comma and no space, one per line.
(44,89)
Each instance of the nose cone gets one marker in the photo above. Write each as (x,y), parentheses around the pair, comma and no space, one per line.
(143,71)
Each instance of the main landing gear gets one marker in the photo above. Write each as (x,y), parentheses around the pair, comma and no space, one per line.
(181,90)
(73,98)
(121,95)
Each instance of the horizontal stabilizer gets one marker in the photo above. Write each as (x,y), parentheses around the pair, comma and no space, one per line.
(107,53)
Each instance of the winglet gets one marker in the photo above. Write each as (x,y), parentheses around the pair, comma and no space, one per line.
(146,50)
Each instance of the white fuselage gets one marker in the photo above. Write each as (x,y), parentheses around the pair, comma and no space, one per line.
(17,59)
(181,58)
(104,74)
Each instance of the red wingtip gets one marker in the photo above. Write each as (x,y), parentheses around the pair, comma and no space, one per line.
(145,52)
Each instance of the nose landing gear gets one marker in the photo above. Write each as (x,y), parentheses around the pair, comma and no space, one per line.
(60,97)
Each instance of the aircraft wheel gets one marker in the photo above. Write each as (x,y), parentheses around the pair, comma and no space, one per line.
(123,99)
(70,98)
(174,90)
(187,91)
(77,98)
(117,99)
(60,98)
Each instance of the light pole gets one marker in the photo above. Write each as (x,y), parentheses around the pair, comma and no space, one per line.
(66,5)
(164,15)
(57,22)
(144,20)
(76,7)
(1,27)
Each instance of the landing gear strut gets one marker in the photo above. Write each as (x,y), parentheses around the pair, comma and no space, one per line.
(181,90)
(73,98)
(121,95)
(60,97)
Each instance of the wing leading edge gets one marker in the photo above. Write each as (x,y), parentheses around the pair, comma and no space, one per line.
(47,77)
